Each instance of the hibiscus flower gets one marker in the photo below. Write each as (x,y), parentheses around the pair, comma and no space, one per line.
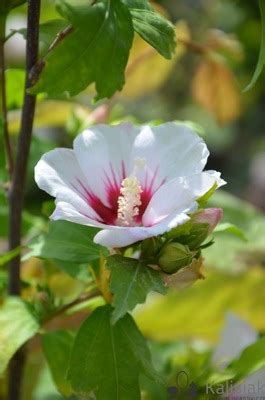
(132,182)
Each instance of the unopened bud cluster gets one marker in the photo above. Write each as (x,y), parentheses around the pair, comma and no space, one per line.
(183,244)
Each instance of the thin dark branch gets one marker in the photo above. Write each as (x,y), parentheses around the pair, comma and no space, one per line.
(17,189)
(16,194)
(3,105)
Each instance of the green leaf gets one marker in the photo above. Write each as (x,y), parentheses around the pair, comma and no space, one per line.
(198,311)
(238,255)
(7,5)
(3,282)
(57,347)
(96,51)
(15,83)
(30,223)
(15,3)
(152,27)
(203,200)
(108,359)
(250,360)
(131,281)
(76,271)
(67,241)
(47,31)
(261,59)
(17,327)
(8,256)
(231,228)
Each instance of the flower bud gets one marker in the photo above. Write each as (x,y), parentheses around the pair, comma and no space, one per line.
(151,246)
(197,236)
(174,256)
(203,223)
(209,216)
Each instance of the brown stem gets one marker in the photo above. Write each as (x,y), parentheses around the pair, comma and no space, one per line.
(66,307)
(3,105)
(194,47)
(16,194)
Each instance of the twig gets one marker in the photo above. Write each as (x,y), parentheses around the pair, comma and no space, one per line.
(16,194)
(3,108)
(11,34)
(60,36)
(38,67)
(79,300)
(194,47)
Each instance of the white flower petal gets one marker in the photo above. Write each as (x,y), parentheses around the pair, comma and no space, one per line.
(200,184)
(86,181)
(65,211)
(236,336)
(59,174)
(171,150)
(173,196)
(122,236)
(104,154)
(179,194)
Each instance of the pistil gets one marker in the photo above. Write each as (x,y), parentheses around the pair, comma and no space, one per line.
(130,199)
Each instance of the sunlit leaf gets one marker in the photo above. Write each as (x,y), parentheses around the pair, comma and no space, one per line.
(146,62)
(198,311)
(152,27)
(131,281)
(102,36)
(261,59)
(15,84)
(17,327)
(214,87)
(48,113)
(108,359)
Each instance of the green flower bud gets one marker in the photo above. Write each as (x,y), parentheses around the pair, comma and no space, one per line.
(174,256)
(197,236)
(150,247)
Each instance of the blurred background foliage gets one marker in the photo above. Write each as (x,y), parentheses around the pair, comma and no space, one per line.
(218,45)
